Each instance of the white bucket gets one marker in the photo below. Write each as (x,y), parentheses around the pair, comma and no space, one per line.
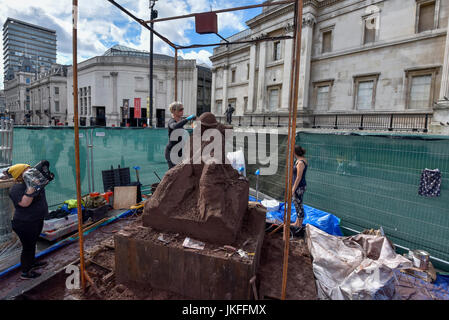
(271,205)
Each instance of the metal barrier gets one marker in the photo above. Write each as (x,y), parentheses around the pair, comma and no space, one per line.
(414,122)
(6,133)
(374,121)
(6,209)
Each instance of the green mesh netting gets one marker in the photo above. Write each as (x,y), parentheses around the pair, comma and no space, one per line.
(111,147)
(366,180)
(372,180)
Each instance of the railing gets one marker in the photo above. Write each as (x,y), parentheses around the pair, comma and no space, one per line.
(373,121)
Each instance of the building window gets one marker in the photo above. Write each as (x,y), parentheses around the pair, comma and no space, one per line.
(161,85)
(277,51)
(365,95)
(365,92)
(219,106)
(247,71)
(420,88)
(232,75)
(245,104)
(56,106)
(273,98)
(56,90)
(327,42)
(426,15)
(420,92)
(322,91)
(371,25)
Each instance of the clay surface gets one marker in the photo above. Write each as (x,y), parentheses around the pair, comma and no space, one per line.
(206,201)
(300,279)
(215,272)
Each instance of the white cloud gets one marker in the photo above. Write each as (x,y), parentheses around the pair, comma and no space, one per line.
(101,24)
(201,56)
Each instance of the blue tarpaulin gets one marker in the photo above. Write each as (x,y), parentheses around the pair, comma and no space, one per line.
(442,282)
(320,219)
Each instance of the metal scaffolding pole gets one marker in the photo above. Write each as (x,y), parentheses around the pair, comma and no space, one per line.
(291,142)
(176,74)
(77,145)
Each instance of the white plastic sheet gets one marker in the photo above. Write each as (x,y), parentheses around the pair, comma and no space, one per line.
(271,205)
(237,160)
(359,267)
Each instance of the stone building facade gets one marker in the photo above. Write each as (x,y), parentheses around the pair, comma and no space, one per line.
(111,86)
(17,96)
(358,57)
(48,95)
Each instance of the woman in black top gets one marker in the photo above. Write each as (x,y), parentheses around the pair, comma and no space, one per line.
(299,184)
(177,111)
(30,210)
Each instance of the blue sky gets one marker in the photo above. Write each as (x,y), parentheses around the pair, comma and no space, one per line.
(102,25)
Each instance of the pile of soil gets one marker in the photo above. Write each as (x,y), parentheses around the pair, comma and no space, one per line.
(300,279)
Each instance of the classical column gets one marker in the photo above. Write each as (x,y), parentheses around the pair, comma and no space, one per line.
(440,118)
(260,98)
(224,104)
(308,23)
(114,116)
(286,85)
(252,78)
(212,91)
(444,90)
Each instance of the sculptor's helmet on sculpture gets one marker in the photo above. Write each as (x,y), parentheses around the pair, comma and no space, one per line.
(208,120)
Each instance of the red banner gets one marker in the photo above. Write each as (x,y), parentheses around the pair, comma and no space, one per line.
(137,111)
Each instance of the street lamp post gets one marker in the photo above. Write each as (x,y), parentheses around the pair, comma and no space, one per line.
(153,14)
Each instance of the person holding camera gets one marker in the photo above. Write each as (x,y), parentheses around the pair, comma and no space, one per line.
(31,208)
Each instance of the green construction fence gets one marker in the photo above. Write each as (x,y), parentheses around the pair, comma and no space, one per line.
(369,180)
(127,147)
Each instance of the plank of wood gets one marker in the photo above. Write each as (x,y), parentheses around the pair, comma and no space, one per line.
(7,183)
(107,277)
(159,266)
(176,270)
(124,197)
(192,275)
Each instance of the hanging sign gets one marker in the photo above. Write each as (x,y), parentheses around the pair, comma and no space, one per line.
(137,110)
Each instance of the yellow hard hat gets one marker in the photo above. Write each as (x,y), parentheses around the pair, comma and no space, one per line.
(17,169)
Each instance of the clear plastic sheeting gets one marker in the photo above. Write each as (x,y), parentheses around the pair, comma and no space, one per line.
(359,267)
(412,288)
(33,178)
(237,160)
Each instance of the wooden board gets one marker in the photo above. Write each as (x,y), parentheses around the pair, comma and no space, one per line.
(124,197)
(8,183)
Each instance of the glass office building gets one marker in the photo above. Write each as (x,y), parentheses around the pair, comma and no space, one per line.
(24,41)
